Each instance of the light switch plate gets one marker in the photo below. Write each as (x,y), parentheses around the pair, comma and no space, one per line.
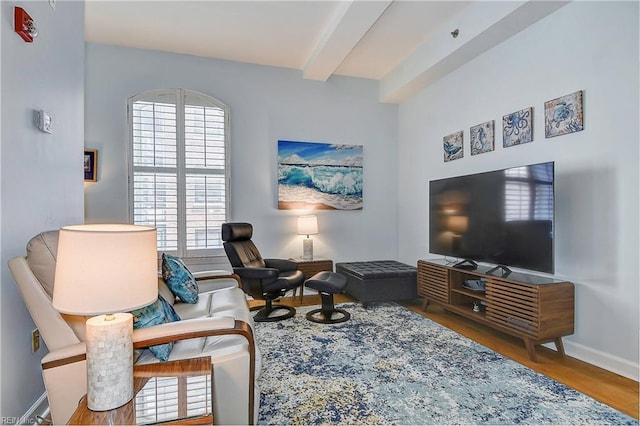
(45,121)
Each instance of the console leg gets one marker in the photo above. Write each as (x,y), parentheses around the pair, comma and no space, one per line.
(531,349)
(559,346)
(425,303)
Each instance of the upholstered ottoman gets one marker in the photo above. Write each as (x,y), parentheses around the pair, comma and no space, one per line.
(380,280)
(327,283)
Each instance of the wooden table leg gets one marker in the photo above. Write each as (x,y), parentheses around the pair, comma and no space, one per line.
(295,291)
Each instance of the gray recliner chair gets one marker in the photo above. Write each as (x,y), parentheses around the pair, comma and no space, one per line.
(266,279)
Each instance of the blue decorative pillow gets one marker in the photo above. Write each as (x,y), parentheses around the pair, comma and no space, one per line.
(159,312)
(179,279)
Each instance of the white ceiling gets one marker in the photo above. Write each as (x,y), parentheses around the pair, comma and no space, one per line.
(290,34)
(405,44)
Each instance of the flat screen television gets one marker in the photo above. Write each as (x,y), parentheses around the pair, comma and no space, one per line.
(503,217)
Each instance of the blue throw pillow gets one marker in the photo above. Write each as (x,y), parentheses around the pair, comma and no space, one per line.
(159,312)
(179,279)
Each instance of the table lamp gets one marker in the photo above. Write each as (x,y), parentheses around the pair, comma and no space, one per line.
(307,225)
(106,269)
(457,225)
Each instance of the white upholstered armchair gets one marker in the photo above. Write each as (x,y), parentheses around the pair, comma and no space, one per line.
(220,320)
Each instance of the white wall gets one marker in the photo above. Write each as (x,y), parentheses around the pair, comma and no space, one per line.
(41,174)
(590,46)
(266,104)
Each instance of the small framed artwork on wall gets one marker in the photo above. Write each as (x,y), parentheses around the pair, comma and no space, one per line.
(452,145)
(90,165)
(482,137)
(563,115)
(517,127)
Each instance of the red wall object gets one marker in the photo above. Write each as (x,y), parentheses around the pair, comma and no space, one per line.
(22,23)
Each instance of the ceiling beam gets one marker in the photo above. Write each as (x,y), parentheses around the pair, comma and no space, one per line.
(351,22)
(481,26)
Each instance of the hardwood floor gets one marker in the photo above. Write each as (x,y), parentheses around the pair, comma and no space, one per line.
(609,388)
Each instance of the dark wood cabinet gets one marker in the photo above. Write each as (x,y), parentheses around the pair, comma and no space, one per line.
(535,308)
(311,267)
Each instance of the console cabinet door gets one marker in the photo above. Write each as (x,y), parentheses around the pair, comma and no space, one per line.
(513,306)
(433,282)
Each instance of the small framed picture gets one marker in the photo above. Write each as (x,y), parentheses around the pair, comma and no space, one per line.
(90,165)
(563,115)
(482,137)
(453,146)
(517,127)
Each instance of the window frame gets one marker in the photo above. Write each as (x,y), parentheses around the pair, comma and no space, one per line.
(178,96)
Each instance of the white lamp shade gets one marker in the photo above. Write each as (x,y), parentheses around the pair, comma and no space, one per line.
(105,269)
(307,225)
(458,223)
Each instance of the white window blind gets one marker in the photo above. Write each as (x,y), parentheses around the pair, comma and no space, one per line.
(178,169)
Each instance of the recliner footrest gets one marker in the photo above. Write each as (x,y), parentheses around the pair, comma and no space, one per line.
(327,283)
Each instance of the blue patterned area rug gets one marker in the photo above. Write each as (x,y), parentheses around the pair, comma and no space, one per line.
(388,365)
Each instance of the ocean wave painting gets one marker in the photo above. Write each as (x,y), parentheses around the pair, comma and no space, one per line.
(316,176)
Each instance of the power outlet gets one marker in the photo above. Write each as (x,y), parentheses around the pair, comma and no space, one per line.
(35,340)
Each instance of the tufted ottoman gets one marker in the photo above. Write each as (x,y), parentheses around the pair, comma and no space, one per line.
(379,280)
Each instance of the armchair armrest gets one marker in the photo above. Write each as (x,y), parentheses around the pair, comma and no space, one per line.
(257,273)
(158,334)
(283,265)
(216,280)
(66,355)
(213,274)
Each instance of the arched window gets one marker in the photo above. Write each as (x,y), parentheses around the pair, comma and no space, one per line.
(178,169)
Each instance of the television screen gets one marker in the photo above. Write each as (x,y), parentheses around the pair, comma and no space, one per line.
(503,217)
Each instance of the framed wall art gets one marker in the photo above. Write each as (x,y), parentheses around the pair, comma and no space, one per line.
(452,145)
(563,115)
(482,138)
(319,176)
(517,127)
(90,165)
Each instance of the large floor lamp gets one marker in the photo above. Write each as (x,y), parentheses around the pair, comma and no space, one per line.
(106,270)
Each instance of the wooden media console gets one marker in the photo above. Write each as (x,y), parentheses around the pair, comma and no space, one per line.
(535,308)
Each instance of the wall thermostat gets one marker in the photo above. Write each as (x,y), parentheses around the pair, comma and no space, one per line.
(44,121)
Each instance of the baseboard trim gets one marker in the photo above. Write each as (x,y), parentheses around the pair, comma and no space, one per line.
(36,414)
(604,360)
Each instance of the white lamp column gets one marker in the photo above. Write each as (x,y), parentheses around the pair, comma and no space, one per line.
(307,225)
(109,361)
(103,269)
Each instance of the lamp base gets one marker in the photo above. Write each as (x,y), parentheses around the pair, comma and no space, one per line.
(307,249)
(109,361)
